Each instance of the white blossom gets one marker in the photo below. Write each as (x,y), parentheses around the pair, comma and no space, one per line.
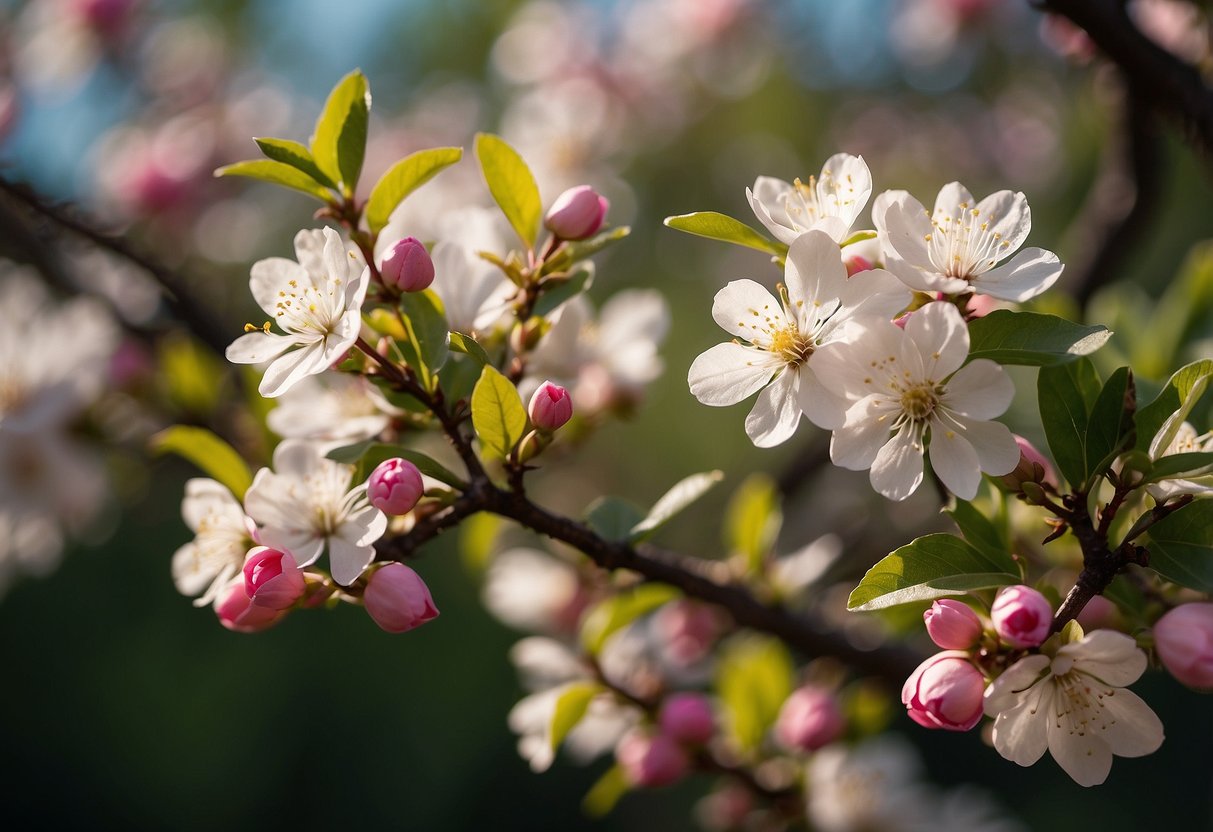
(533,591)
(908,385)
(317,302)
(1184,440)
(957,247)
(475,294)
(1075,705)
(331,406)
(222,537)
(830,203)
(306,504)
(820,303)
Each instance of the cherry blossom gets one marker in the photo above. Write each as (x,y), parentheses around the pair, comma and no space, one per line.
(829,203)
(223,535)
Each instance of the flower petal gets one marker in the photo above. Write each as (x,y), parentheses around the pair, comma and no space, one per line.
(729,373)
(813,272)
(258,347)
(1130,727)
(856,444)
(1024,276)
(291,367)
(939,332)
(1021,731)
(980,390)
(746,309)
(270,277)
(950,199)
(906,230)
(876,293)
(954,461)
(1008,689)
(776,413)
(1083,756)
(997,451)
(897,469)
(1009,217)
(851,181)
(347,560)
(1111,657)
(767,201)
(822,407)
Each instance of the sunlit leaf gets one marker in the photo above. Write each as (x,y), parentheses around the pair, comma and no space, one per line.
(716,226)
(1032,338)
(297,156)
(404,177)
(683,494)
(216,458)
(339,141)
(512,185)
(617,611)
(754,676)
(497,413)
(931,567)
(277,173)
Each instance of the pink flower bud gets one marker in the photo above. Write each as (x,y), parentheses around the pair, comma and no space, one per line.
(945,692)
(1184,640)
(1033,467)
(900,321)
(1022,616)
(1098,614)
(952,624)
(577,213)
(651,759)
(857,264)
(272,579)
(398,599)
(810,719)
(238,613)
(407,266)
(550,407)
(687,718)
(688,630)
(395,486)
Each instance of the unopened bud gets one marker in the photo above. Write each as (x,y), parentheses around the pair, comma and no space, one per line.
(687,718)
(952,624)
(810,719)
(551,406)
(397,599)
(945,692)
(238,613)
(407,266)
(857,264)
(1184,641)
(1033,467)
(1022,616)
(395,486)
(651,759)
(272,579)
(577,213)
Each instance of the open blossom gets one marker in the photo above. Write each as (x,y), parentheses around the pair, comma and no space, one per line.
(957,248)
(306,503)
(818,304)
(317,302)
(332,406)
(1075,705)
(829,203)
(1184,440)
(222,537)
(908,384)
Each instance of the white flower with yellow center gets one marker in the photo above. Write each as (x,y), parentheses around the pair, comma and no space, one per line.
(906,385)
(829,203)
(316,302)
(819,306)
(306,504)
(222,537)
(1076,706)
(957,247)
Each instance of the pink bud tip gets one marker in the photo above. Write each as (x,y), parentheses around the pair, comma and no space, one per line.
(238,613)
(577,213)
(272,579)
(952,624)
(395,486)
(550,407)
(1184,640)
(397,599)
(900,322)
(945,692)
(810,719)
(857,264)
(1033,467)
(1022,616)
(687,718)
(407,266)
(651,759)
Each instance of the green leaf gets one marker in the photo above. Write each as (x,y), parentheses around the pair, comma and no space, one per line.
(724,228)
(1110,424)
(497,413)
(931,567)
(278,174)
(426,334)
(189,373)
(613,518)
(216,458)
(617,611)
(606,792)
(368,454)
(478,540)
(571,705)
(1169,410)
(752,520)
(581,249)
(857,237)
(468,345)
(753,678)
(511,184)
(297,156)
(1181,466)
(404,177)
(1181,546)
(978,530)
(675,500)
(557,292)
(1032,339)
(1066,395)
(339,140)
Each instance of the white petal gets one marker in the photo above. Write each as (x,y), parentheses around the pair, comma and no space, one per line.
(822,407)
(258,347)
(951,197)
(1009,216)
(334,258)
(897,469)
(296,458)
(1083,756)
(633,315)
(363,527)
(746,309)
(813,272)
(954,461)
(980,390)
(939,332)
(270,277)
(205,497)
(884,199)
(856,444)
(876,293)
(309,250)
(852,183)
(729,373)
(1130,727)
(907,227)
(303,544)
(1021,731)
(189,576)
(1024,276)
(1109,656)
(766,199)
(1005,691)
(997,453)
(355,289)
(347,560)
(289,368)
(845,364)
(776,413)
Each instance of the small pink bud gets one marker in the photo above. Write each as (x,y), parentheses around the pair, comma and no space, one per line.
(1033,467)
(238,613)
(1184,640)
(1022,616)
(809,719)
(687,718)
(550,407)
(900,321)
(857,264)
(651,759)
(398,599)
(952,624)
(688,629)
(395,486)
(978,306)
(945,692)
(407,266)
(272,579)
(1098,614)
(577,213)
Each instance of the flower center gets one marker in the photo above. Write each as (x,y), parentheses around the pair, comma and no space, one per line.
(919,402)
(789,344)
(962,245)
(308,309)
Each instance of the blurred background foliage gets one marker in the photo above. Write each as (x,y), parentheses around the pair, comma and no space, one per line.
(127,708)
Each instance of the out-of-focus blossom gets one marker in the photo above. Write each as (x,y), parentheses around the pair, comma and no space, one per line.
(1181,28)
(809,719)
(651,760)
(687,718)
(1183,638)
(331,406)
(687,630)
(222,538)
(830,203)
(534,592)
(60,42)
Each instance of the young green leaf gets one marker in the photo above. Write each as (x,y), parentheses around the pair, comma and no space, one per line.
(512,185)
(1181,546)
(215,457)
(277,173)
(617,611)
(581,249)
(673,501)
(468,345)
(498,416)
(1169,410)
(571,705)
(557,292)
(369,453)
(606,792)
(931,567)
(752,520)
(404,177)
(613,518)
(339,141)
(297,156)
(1181,466)
(426,333)
(716,226)
(1066,395)
(979,531)
(1032,339)
(1110,425)
(753,678)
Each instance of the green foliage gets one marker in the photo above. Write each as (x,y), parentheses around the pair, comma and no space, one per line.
(606,792)
(556,292)
(752,520)
(339,141)
(1032,339)
(571,705)
(613,518)
(497,413)
(1110,426)
(683,494)
(576,250)
(468,345)
(426,345)
(979,531)
(716,226)
(1181,466)
(754,676)
(1181,546)
(1172,406)
(404,177)
(277,173)
(216,458)
(1066,395)
(931,567)
(477,540)
(190,374)
(512,185)
(615,612)
(297,156)
(368,454)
